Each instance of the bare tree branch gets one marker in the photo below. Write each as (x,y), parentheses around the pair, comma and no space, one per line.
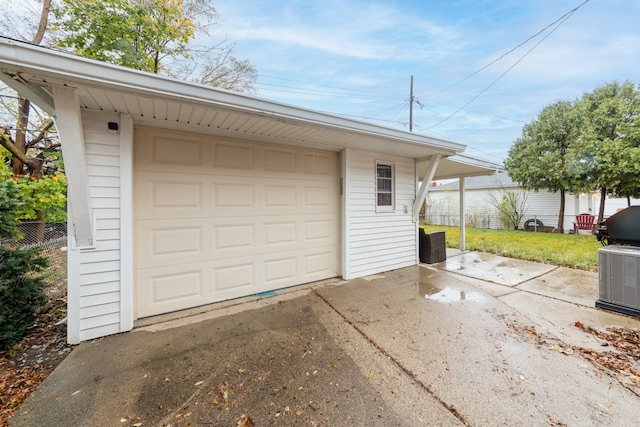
(34,164)
(41,135)
(5,141)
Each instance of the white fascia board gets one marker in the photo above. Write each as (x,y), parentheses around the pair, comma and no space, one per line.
(22,57)
(474,161)
(458,165)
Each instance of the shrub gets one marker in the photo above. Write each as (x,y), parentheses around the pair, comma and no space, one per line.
(46,195)
(8,205)
(511,207)
(21,292)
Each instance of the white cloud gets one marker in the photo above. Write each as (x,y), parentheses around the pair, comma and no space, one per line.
(360,30)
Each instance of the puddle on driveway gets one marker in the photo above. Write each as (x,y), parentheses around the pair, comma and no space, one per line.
(448,294)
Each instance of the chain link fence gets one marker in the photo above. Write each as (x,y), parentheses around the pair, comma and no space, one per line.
(51,238)
(545,223)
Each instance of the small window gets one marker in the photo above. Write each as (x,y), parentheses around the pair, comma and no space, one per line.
(384,186)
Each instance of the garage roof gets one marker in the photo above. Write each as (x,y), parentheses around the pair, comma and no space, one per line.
(162,101)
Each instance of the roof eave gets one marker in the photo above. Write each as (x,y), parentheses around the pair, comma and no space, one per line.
(30,59)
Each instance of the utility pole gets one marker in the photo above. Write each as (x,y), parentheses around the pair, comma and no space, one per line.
(411,106)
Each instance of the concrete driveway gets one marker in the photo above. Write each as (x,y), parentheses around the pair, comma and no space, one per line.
(477,340)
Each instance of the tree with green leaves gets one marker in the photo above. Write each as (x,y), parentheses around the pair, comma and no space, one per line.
(545,156)
(611,136)
(31,150)
(137,34)
(151,35)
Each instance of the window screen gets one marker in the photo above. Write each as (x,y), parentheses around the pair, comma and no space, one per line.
(384,185)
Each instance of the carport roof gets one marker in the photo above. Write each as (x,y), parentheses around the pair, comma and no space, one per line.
(461,166)
(162,101)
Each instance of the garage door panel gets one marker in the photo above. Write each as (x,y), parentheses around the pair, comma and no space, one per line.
(161,195)
(319,164)
(235,157)
(279,196)
(318,196)
(164,290)
(167,289)
(319,263)
(234,195)
(280,160)
(162,242)
(281,233)
(173,241)
(171,152)
(280,271)
(234,276)
(245,218)
(320,232)
(240,236)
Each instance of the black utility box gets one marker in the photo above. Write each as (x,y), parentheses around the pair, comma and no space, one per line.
(432,247)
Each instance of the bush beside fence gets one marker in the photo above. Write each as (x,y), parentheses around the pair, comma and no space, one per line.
(53,246)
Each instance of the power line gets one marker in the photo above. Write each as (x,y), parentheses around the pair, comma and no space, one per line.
(509,51)
(321,92)
(566,17)
(425,103)
(341,91)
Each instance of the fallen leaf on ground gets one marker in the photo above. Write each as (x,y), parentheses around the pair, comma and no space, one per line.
(563,350)
(245,421)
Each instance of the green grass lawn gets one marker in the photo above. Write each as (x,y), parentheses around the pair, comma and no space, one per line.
(568,250)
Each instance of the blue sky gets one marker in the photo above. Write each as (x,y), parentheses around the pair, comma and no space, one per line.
(356,57)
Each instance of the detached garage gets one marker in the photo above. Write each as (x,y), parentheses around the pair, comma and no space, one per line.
(182,195)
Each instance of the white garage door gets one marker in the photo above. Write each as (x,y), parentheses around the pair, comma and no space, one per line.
(219,219)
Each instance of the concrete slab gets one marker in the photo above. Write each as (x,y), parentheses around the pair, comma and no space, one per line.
(290,361)
(493,268)
(475,353)
(558,318)
(567,284)
(424,345)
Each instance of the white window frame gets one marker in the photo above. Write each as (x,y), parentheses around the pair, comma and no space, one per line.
(391,207)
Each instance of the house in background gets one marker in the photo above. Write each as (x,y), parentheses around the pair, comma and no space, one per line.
(542,206)
(182,195)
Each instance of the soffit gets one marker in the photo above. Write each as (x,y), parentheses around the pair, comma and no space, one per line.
(161,101)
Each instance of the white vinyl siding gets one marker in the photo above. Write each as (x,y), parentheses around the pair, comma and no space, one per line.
(95,272)
(377,241)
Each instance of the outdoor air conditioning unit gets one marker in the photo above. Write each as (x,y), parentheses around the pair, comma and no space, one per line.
(619,270)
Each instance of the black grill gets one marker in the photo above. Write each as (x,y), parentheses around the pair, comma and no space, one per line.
(622,228)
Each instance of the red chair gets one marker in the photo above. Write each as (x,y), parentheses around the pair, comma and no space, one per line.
(584,221)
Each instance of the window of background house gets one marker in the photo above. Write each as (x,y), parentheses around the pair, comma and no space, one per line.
(384,186)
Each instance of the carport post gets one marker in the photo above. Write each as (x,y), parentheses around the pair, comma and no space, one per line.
(463,233)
